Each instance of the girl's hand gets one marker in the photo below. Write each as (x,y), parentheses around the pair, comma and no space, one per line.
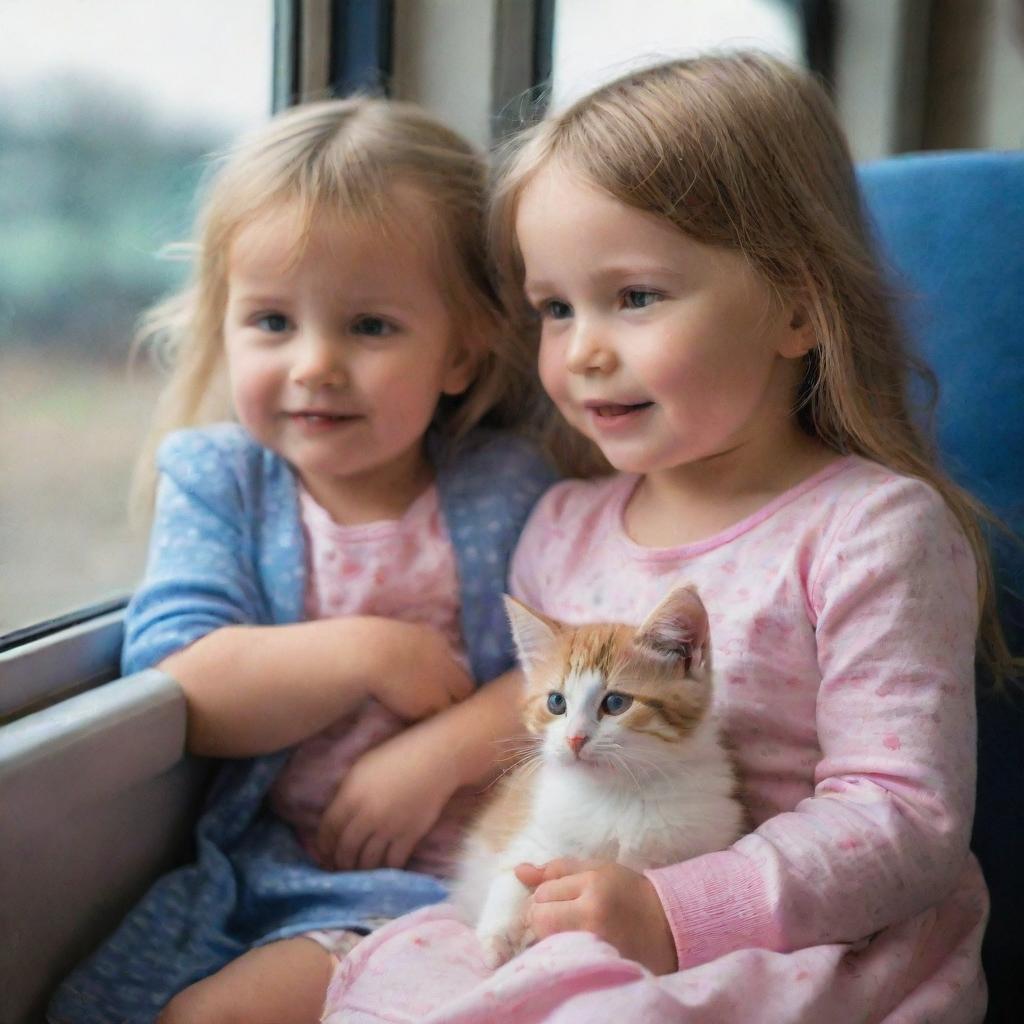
(418,676)
(390,798)
(616,904)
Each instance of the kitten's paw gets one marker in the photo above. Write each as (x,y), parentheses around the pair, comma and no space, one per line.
(498,950)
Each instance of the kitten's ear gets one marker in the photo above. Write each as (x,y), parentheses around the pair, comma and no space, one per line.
(677,628)
(534,634)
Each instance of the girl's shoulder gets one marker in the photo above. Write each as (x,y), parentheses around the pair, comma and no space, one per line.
(876,521)
(574,515)
(571,502)
(492,456)
(490,476)
(215,442)
(222,464)
(867,496)
(570,522)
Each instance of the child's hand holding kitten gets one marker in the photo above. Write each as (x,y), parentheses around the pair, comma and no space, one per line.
(618,905)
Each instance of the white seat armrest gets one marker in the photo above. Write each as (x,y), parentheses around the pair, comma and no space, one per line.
(97,798)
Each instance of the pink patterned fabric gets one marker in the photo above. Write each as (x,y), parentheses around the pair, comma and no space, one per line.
(401,569)
(842,619)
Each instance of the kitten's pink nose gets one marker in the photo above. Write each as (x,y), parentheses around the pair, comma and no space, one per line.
(576,742)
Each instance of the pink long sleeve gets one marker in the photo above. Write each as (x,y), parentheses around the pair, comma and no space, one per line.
(892,595)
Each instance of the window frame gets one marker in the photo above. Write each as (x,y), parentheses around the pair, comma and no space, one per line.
(58,658)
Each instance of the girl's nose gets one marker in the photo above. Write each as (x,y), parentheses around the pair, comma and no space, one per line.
(317,363)
(589,351)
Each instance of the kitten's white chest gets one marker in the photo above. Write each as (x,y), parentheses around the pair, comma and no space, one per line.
(570,812)
(582,815)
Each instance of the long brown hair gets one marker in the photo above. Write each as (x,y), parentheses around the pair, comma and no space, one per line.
(339,157)
(745,152)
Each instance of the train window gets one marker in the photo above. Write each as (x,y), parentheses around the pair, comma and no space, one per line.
(905,74)
(594,41)
(108,110)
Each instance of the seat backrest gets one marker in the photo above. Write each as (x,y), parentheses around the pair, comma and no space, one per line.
(950,227)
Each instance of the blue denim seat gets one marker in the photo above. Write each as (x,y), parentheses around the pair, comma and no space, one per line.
(950,227)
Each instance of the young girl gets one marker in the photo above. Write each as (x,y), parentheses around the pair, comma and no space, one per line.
(342,301)
(711,318)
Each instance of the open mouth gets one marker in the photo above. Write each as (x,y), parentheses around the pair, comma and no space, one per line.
(613,410)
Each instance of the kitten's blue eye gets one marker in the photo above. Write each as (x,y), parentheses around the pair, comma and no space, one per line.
(273,323)
(616,703)
(637,298)
(556,704)
(373,327)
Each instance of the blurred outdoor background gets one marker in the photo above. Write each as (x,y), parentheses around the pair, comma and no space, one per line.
(109,112)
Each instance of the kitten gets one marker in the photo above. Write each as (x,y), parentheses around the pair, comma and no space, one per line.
(629,767)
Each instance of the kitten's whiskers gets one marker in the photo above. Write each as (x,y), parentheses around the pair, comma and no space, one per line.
(620,761)
(527,764)
(647,766)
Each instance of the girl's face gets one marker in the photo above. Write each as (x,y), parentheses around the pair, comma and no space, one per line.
(660,349)
(337,359)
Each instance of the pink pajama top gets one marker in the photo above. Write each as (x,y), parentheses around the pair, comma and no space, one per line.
(843,617)
(399,569)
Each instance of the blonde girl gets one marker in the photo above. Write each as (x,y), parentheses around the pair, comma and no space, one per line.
(712,323)
(326,563)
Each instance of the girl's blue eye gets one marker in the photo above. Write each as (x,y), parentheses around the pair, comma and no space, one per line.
(556,703)
(637,298)
(373,327)
(274,323)
(555,309)
(616,703)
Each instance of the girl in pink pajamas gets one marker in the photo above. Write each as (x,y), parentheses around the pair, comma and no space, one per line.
(712,321)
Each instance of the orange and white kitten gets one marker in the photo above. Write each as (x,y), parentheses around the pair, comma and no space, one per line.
(630,766)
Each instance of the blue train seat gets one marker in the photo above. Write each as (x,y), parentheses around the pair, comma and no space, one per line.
(951,228)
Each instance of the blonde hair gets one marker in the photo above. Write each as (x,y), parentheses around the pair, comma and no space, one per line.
(744,152)
(343,157)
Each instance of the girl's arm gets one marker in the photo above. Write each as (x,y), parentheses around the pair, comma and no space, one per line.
(475,734)
(885,834)
(255,689)
(224,562)
(395,793)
